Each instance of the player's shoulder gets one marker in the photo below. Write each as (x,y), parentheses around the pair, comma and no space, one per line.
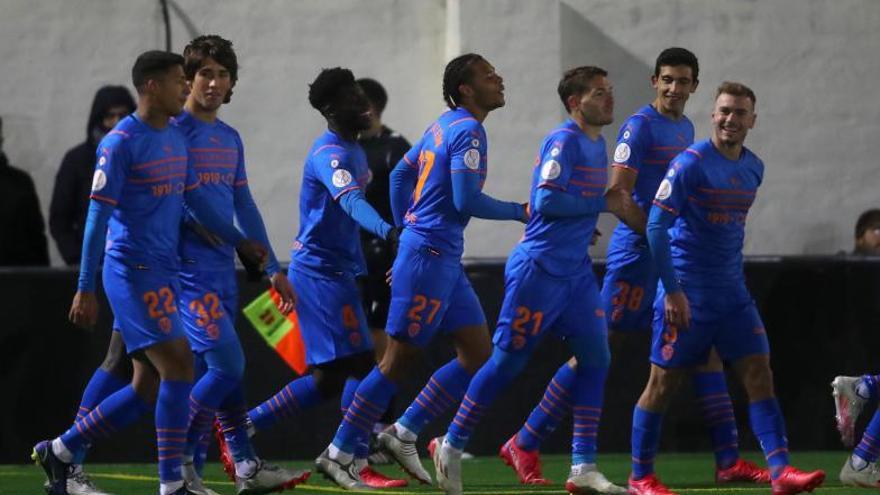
(692,156)
(330,150)
(459,122)
(752,160)
(643,118)
(225,128)
(123,133)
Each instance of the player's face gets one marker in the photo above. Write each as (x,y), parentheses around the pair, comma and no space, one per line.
(211,85)
(486,86)
(674,85)
(732,118)
(597,103)
(352,110)
(171,90)
(869,242)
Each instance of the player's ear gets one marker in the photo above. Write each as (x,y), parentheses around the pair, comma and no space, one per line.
(654,80)
(572,102)
(465,90)
(694,87)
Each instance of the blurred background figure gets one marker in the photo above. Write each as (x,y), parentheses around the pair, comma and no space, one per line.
(22,231)
(70,197)
(868,233)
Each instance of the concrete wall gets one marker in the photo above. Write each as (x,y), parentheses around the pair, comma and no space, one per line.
(812,64)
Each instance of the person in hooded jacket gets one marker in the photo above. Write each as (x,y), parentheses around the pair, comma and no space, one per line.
(73,183)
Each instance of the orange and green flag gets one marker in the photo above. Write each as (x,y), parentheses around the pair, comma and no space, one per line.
(280,331)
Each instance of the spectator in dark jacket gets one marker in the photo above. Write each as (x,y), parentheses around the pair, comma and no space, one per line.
(22,231)
(70,199)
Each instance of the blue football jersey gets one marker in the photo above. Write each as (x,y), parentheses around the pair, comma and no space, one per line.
(329,240)
(646,143)
(216,154)
(711,197)
(454,144)
(570,162)
(143,172)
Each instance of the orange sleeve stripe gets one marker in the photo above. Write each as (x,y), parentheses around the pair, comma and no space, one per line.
(104,199)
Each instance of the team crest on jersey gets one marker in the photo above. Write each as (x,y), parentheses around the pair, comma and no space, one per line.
(472,159)
(671,172)
(665,190)
(341,178)
(550,170)
(626,134)
(554,152)
(475,143)
(334,163)
(102,161)
(621,153)
(99,180)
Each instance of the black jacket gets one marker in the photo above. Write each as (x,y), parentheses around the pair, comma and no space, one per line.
(22,231)
(73,183)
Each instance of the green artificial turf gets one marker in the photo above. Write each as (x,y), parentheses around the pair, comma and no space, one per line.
(684,473)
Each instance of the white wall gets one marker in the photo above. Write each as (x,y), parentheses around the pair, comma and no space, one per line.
(812,63)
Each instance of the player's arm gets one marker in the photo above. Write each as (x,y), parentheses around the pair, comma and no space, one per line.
(552,198)
(633,142)
(670,199)
(338,176)
(251,223)
(111,171)
(619,197)
(198,203)
(467,155)
(402,183)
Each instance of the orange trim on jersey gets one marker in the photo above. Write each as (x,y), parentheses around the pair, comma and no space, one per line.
(411,164)
(722,206)
(155,179)
(327,146)
(695,152)
(158,162)
(589,194)
(551,185)
(240,183)
(191,186)
(587,184)
(623,165)
(104,199)
(213,150)
(115,131)
(463,119)
(661,205)
(345,191)
(590,169)
(726,191)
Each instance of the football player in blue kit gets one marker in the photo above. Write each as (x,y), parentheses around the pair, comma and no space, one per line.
(141,180)
(549,282)
(647,141)
(208,300)
(326,258)
(435,190)
(695,232)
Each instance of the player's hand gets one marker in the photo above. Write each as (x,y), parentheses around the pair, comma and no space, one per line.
(677,310)
(527,213)
(595,238)
(253,256)
(282,285)
(84,309)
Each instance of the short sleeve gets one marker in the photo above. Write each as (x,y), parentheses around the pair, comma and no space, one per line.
(111,169)
(633,141)
(681,179)
(335,169)
(468,149)
(558,159)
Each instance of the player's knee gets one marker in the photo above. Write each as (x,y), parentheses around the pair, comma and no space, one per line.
(116,361)
(397,359)
(509,364)
(591,351)
(662,383)
(227,360)
(145,382)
